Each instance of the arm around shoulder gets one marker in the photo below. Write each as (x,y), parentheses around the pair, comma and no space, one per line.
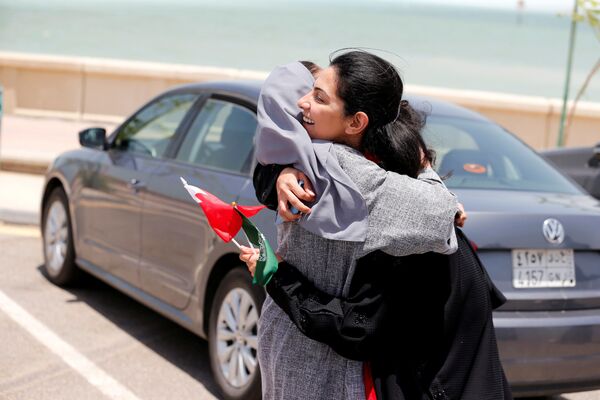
(406,215)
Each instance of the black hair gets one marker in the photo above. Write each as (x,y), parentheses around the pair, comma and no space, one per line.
(372,85)
(311,66)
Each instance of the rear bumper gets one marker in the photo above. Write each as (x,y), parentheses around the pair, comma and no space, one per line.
(550,352)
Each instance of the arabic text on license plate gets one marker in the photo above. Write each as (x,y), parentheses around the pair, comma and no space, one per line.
(542,268)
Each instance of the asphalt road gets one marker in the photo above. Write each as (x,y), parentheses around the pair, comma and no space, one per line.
(87,338)
(93,342)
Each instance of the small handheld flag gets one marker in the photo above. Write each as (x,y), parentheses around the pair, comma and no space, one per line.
(227,220)
(221,216)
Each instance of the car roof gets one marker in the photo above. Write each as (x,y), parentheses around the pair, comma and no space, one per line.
(250,89)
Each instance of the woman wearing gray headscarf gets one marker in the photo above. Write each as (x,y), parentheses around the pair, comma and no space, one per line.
(360,208)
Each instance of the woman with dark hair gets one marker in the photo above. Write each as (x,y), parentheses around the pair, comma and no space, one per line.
(360,208)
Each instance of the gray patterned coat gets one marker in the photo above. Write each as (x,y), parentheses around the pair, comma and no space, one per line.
(406,216)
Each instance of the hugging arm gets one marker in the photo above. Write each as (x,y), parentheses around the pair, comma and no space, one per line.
(265,179)
(278,188)
(410,216)
(406,215)
(351,326)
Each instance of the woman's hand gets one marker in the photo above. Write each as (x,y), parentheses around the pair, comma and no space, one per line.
(461,216)
(249,256)
(290,193)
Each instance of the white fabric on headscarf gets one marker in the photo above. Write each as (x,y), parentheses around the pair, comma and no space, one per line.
(340,211)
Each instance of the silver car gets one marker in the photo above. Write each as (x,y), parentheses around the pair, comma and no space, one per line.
(116,209)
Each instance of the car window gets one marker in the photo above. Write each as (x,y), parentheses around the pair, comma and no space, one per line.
(221,137)
(480,154)
(151,130)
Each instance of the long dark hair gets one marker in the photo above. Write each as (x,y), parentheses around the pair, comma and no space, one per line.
(372,85)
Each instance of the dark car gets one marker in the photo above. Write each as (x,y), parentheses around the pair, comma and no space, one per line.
(116,208)
(582,164)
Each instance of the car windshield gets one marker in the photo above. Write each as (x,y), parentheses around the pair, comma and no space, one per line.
(481,155)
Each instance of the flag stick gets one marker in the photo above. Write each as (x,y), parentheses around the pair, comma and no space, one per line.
(236,243)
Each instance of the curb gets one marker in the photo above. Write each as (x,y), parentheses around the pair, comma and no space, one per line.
(20,217)
(36,167)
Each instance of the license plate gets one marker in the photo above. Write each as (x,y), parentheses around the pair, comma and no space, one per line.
(543,268)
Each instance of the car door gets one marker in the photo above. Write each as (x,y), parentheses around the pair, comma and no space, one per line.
(135,151)
(215,154)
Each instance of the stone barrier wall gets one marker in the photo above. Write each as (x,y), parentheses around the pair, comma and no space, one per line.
(107,90)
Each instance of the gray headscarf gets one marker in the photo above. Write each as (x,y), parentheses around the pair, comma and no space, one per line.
(340,211)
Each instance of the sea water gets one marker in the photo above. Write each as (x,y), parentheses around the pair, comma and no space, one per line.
(521,52)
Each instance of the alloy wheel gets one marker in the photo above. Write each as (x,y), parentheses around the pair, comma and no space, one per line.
(237,337)
(56,236)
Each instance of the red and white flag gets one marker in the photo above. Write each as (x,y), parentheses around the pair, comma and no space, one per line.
(221,216)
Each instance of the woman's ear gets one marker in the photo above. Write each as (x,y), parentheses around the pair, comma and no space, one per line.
(357,123)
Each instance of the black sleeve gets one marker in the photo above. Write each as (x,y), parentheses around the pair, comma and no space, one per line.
(264,179)
(496,296)
(348,326)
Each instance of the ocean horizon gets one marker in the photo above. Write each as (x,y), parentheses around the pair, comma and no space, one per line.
(501,50)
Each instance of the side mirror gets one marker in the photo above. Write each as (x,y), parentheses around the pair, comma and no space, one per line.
(94,138)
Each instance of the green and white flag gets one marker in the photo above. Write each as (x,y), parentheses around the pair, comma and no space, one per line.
(266,265)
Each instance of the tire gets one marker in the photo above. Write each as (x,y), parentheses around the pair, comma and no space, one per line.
(237,380)
(57,238)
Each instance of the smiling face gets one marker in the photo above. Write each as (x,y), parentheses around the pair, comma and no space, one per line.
(323,110)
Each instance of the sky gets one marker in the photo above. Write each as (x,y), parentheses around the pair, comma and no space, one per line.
(552,6)
(533,5)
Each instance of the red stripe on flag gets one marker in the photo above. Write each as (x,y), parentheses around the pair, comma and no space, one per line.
(249,211)
(222,217)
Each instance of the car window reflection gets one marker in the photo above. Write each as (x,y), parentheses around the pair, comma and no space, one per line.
(221,137)
(151,130)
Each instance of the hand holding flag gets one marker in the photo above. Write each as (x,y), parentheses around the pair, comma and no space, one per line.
(267,264)
(249,255)
(227,220)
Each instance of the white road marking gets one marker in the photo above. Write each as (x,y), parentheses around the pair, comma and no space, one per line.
(19,230)
(90,371)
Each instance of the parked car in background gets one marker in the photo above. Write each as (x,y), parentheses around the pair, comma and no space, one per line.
(116,209)
(582,164)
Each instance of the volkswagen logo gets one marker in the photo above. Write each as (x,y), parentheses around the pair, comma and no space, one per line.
(553,231)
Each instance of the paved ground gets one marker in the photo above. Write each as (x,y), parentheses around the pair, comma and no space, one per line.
(20,196)
(36,141)
(99,335)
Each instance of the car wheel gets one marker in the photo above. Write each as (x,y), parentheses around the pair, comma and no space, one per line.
(232,335)
(59,254)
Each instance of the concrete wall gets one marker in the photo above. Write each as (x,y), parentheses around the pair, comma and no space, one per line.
(93,88)
(534,119)
(107,90)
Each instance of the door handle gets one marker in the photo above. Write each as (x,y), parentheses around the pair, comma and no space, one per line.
(136,184)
